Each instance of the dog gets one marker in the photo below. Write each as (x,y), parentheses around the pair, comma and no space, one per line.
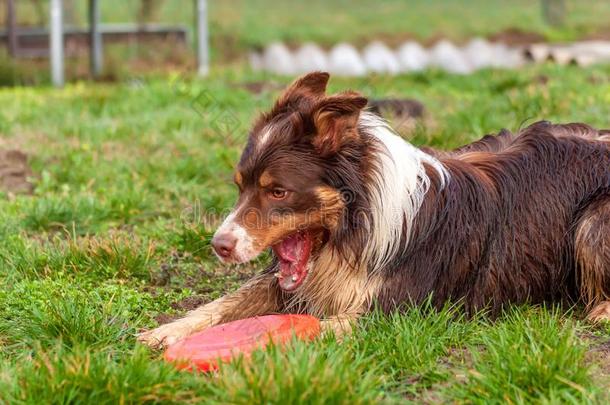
(357,218)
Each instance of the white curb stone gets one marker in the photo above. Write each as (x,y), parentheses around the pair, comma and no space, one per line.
(412,57)
(344,60)
(448,57)
(310,57)
(378,58)
(278,59)
(480,53)
(256,61)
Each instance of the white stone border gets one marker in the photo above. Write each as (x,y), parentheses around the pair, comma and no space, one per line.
(345,60)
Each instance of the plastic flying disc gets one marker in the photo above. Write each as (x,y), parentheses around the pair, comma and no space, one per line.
(204,350)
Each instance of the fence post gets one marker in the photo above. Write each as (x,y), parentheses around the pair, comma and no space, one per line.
(11,24)
(56,44)
(203,51)
(96,55)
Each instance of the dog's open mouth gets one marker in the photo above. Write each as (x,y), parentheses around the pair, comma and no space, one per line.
(293,253)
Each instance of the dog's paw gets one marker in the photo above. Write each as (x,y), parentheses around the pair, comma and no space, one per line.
(165,335)
(601,312)
(336,326)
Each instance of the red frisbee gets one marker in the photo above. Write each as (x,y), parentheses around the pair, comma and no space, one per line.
(204,350)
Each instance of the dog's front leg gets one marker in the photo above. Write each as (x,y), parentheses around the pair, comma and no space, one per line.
(257,297)
(338,325)
(194,321)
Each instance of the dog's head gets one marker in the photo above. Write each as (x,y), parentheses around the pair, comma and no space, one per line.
(291,178)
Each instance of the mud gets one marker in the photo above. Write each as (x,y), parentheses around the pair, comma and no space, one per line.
(15,173)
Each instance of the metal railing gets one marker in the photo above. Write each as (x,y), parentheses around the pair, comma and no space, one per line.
(57,32)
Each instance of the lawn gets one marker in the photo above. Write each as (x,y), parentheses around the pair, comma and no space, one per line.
(130,179)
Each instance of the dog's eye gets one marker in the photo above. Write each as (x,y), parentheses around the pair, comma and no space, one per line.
(278,193)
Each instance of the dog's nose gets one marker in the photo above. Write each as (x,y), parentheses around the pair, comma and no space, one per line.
(224,244)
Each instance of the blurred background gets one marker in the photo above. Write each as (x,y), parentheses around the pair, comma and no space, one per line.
(159,36)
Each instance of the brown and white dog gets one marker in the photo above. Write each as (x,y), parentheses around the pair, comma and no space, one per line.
(358,217)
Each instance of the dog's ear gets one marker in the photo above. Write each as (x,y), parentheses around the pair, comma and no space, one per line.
(311,86)
(336,121)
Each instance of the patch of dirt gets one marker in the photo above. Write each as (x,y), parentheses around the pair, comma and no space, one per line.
(404,114)
(164,318)
(178,271)
(455,365)
(541,79)
(261,87)
(15,172)
(162,277)
(391,40)
(598,79)
(602,34)
(206,281)
(190,303)
(516,36)
(598,356)
(184,305)
(402,107)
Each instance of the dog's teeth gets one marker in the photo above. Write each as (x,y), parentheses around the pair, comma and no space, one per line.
(277,274)
(294,277)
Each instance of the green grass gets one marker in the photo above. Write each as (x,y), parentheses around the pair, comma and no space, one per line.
(131,180)
(528,357)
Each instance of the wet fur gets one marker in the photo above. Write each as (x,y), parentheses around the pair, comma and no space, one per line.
(511,218)
(503,229)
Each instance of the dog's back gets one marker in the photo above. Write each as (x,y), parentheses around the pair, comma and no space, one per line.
(504,229)
(504,138)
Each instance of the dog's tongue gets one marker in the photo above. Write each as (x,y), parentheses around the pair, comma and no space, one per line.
(293,254)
